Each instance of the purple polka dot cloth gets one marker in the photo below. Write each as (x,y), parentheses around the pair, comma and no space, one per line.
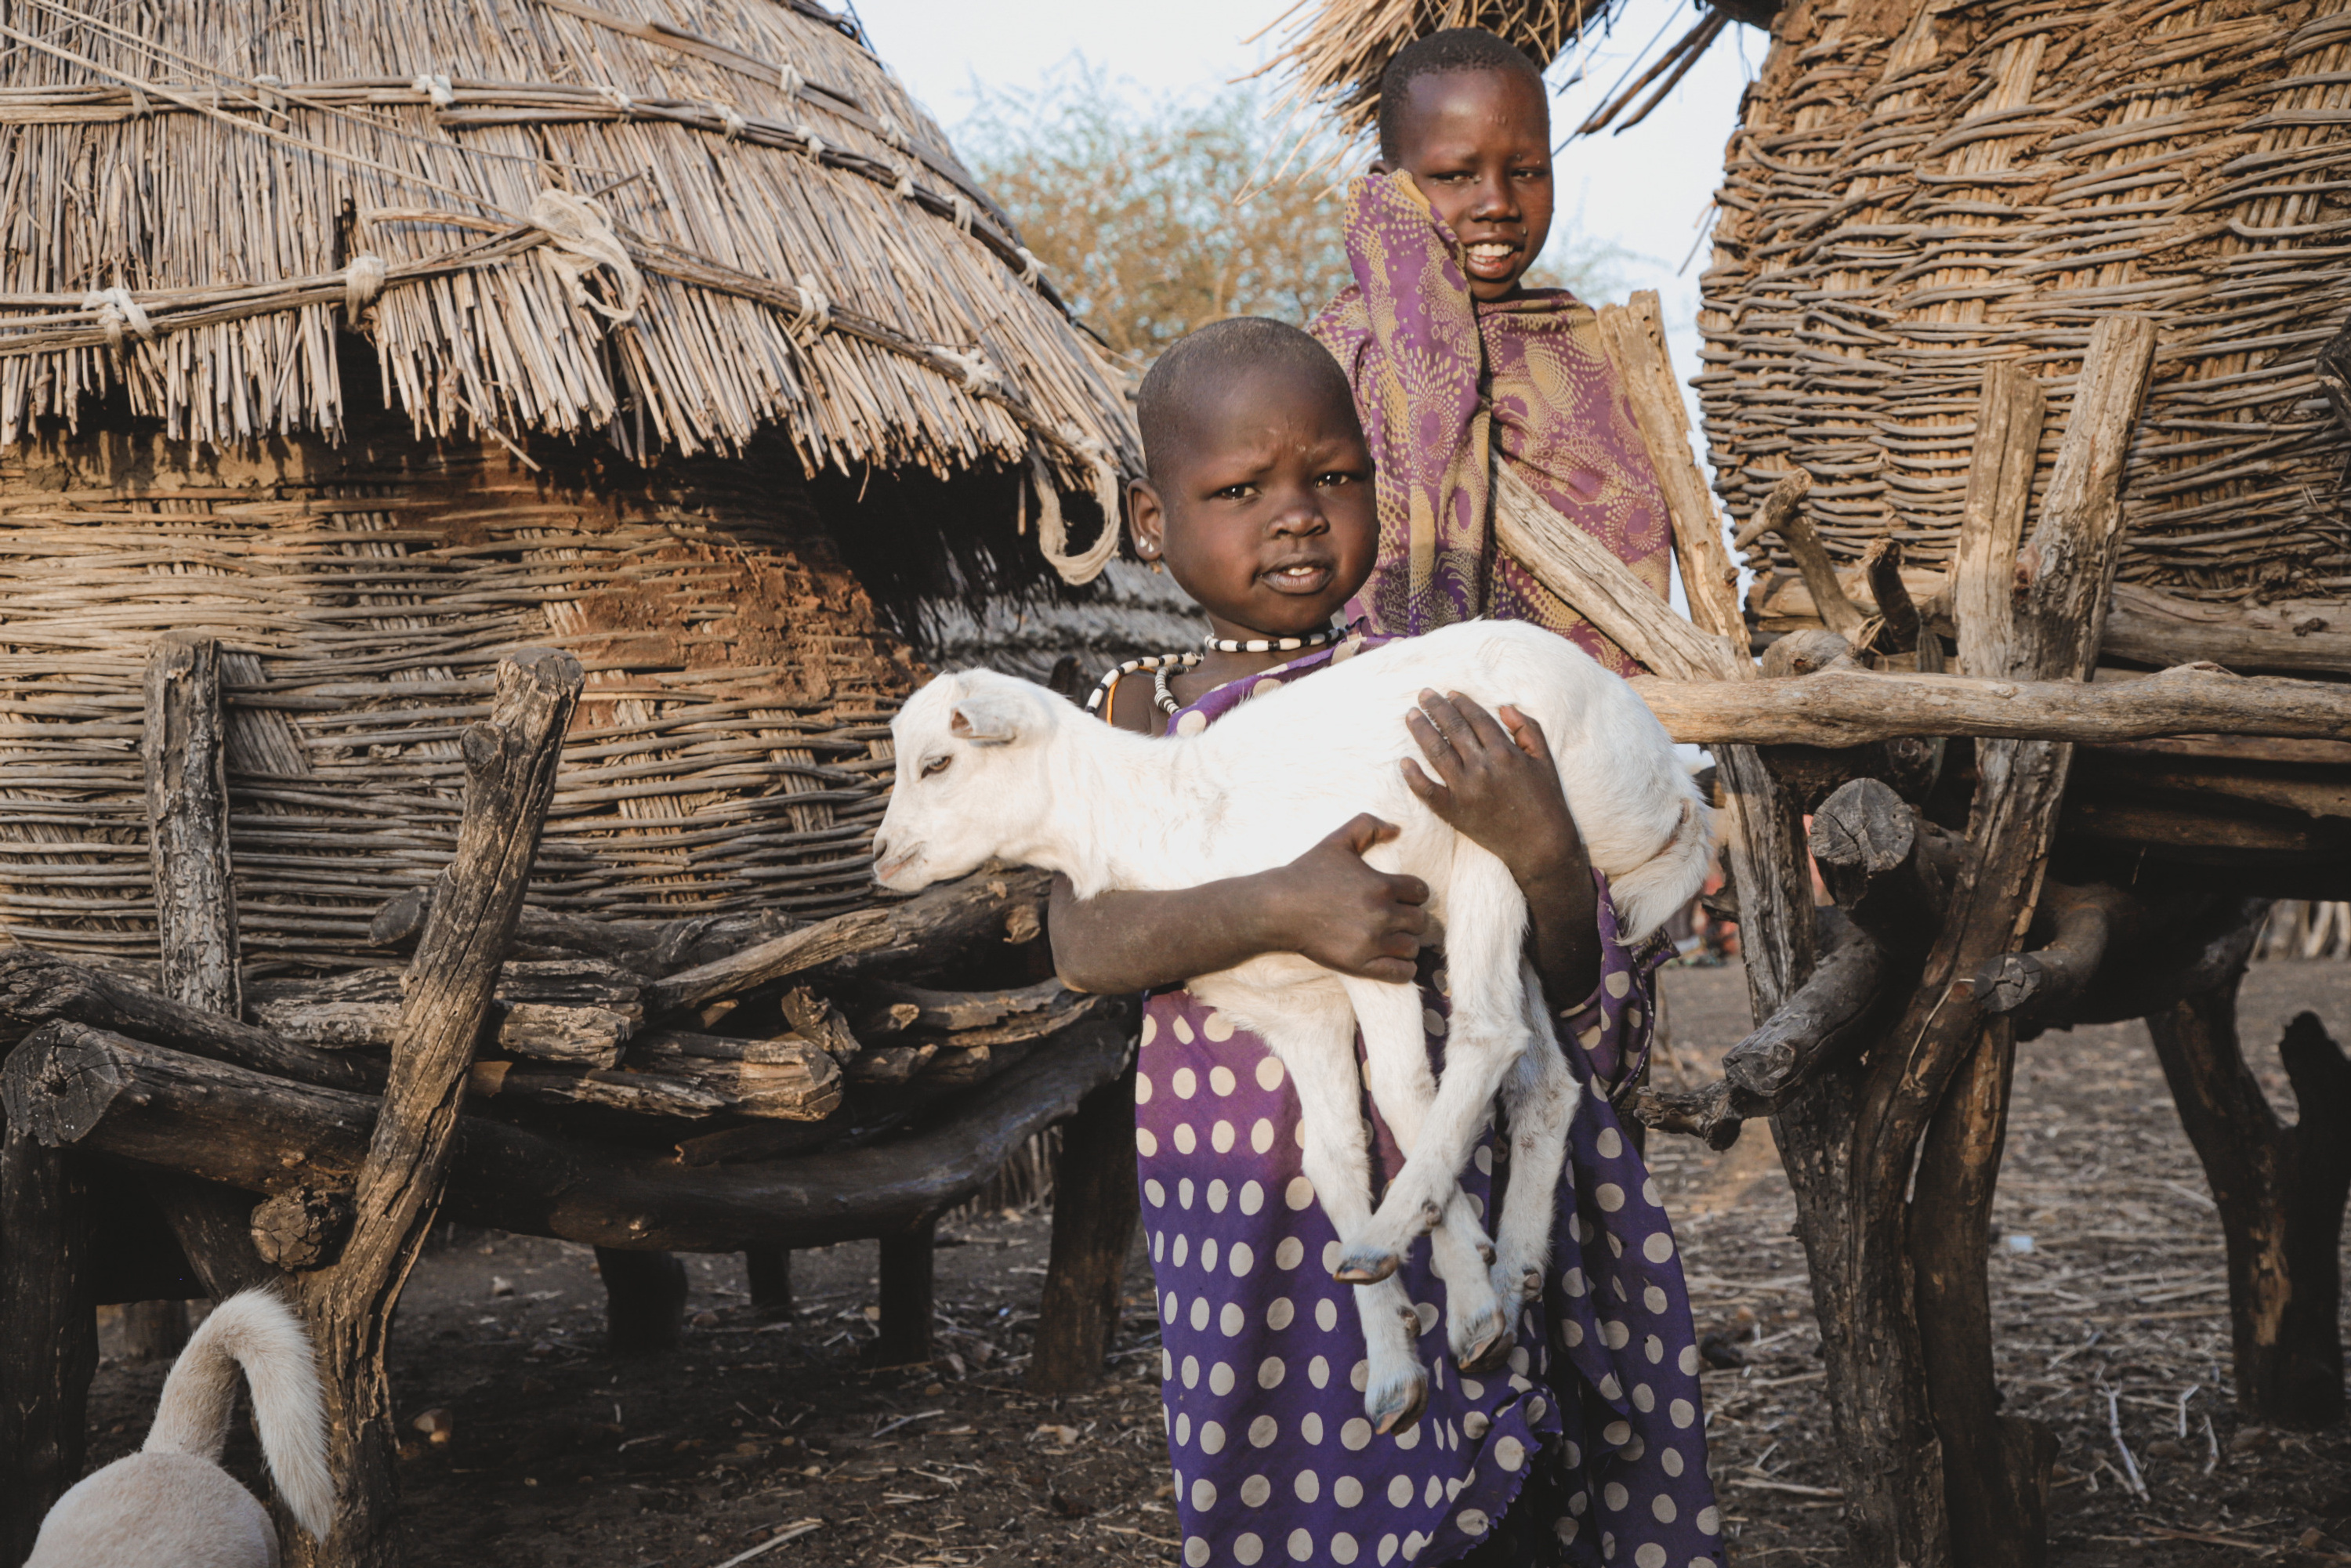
(1595,1421)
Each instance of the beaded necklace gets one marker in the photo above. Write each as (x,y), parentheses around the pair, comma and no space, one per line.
(1164,665)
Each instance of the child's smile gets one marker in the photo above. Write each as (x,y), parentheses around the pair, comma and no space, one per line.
(1477,144)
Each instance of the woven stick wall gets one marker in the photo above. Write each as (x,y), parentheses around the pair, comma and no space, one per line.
(773,234)
(1917,191)
(729,753)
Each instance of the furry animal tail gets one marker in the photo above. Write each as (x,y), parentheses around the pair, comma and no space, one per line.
(257,1331)
(1648,895)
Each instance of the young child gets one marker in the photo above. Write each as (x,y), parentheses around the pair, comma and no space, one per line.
(1455,366)
(1589,1448)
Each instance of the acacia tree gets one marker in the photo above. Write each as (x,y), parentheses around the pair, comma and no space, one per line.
(1159,217)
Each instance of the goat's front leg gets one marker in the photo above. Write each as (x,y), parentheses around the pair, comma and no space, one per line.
(1540,1096)
(1478,1325)
(1337,1160)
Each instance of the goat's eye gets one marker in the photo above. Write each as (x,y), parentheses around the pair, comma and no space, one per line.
(936,765)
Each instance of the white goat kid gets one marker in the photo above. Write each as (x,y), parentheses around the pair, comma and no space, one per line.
(988,766)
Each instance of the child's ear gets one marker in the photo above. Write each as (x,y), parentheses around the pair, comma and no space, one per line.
(1383,165)
(1146,519)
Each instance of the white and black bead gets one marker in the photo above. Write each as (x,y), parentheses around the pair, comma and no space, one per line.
(1321,639)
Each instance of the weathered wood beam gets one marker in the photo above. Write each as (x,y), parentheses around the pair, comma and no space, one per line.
(1886,865)
(265,1135)
(1095,1205)
(2078,926)
(927,929)
(1881,565)
(2280,1192)
(1824,1020)
(49,1348)
(511,762)
(1783,512)
(649,947)
(1635,335)
(1853,707)
(37,987)
(2001,465)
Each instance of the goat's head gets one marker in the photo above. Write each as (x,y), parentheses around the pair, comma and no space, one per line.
(971,782)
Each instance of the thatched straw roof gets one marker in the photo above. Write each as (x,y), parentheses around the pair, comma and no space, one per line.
(668,222)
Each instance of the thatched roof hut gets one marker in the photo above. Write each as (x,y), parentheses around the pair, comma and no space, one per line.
(377,340)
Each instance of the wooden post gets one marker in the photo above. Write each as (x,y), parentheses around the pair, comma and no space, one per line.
(644,1300)
(906,1259)
(185,748)
(49,1346)
(768,1270)
(1095,1205)
(2280,1191)
(510,770)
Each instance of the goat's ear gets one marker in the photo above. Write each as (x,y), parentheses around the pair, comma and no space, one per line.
(989,719)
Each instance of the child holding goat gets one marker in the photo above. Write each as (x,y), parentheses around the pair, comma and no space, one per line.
(1576,1436)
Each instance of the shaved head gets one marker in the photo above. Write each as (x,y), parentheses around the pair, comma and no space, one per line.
(1198,366)
(1442,54)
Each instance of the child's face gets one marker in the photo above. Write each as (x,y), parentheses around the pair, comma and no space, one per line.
(1267,516)
(1478,144)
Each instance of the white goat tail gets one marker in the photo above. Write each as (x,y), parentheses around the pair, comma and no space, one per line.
(258,1333)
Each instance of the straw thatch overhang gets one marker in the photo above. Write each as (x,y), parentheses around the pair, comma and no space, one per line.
(775,235)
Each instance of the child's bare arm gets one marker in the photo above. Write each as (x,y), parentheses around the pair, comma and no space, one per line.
(1326,904)
(1499,790)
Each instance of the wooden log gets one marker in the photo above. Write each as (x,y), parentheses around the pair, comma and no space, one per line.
(2001,465)
(1096,1207)
(2280,1192)
(36,989)
(786,1077)
(907,1271)
(1597,586)
(924,931)
(892,1064)
(302,1228)
(760,1140)
(638,1092)
(184,747)
(1836,707)
(2156,628)
(510,770)
(649,947)
(1634,337)
(140,1101)
(572,1010)
(819,1021)
(2077,927)
(887,1008)
(1782,513)
(1886,866)
(1823,1021)
(50,1347)
(1881,564)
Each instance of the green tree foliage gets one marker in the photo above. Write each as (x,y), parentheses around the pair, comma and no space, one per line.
(1158,218)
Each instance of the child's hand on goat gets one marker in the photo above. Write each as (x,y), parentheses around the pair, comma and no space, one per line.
(1495,787)
(1331,907)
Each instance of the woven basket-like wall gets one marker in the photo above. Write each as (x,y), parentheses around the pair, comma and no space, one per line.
(1917,190)
(728,752)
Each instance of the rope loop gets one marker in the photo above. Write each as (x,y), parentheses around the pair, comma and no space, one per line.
(979,375)
(580,239)
(789,79)
(116,310)
(617,99)
(271,92)
(905,188)
(816,311)
(732,120)
(1052,534)
(436,86)
(895,133)
(963,212)
(363,284)
(1031,269)
(807,133)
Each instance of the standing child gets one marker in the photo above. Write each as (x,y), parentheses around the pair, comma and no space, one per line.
(1458,367)
(1587,1446)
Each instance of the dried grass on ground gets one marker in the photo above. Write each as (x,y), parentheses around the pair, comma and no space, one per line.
(559,1455)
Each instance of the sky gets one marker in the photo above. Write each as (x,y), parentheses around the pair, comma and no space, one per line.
(1647,193)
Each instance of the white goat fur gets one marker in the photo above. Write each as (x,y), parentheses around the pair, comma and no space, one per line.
(171,1505)
(988,766)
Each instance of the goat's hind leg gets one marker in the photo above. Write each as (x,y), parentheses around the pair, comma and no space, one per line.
(1540,1097)
(1337,1160)
(1478,1322)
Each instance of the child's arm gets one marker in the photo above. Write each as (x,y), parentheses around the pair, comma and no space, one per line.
(1326,904)
(1500,790)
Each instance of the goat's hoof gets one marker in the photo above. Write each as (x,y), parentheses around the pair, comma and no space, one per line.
(1366,1265)
(1396,1409)
(1486,1253)
(1489,1354)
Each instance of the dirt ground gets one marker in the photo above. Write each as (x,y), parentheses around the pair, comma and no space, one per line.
(2107,1278)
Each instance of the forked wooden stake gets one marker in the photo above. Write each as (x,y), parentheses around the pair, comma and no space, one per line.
(510,768)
